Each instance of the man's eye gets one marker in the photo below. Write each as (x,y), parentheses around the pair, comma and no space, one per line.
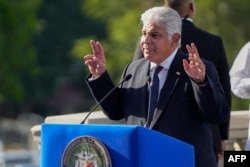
(154,35)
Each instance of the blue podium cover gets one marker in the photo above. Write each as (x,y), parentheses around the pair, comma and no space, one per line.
(128,146)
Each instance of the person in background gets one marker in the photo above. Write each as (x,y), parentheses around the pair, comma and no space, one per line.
(240,78)
(210,47)
(171,92)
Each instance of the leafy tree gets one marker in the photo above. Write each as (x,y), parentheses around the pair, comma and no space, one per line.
(18,61)
(122,20)
(229,19)
(42,43)
(62,23)
(35,55)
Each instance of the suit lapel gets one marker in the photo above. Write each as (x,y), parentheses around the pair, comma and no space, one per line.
(175,72)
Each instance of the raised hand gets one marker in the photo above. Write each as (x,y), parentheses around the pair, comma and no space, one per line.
(195,68)
(96,60)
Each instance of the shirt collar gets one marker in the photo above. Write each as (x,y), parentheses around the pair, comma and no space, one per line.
(188,19)
(166,63)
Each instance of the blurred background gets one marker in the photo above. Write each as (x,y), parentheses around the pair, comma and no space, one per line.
(42,43)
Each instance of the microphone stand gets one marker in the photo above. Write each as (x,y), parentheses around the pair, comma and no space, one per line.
(126,78)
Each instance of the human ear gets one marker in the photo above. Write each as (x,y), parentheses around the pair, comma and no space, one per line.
(175,39)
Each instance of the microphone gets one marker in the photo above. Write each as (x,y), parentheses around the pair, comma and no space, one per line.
(126,78)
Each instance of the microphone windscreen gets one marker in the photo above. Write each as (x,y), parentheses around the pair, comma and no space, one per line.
(127,77)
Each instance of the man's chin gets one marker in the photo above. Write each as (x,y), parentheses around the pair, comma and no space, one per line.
(148,57)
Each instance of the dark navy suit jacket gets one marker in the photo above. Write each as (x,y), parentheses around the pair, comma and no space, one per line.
(211,48)
(184,111)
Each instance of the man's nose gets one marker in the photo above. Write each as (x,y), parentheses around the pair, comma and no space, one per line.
(147,39)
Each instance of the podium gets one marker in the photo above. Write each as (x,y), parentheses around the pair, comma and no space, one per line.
(128,146)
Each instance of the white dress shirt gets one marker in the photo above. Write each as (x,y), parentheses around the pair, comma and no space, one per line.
(163,73)
(240,79)
(240,73)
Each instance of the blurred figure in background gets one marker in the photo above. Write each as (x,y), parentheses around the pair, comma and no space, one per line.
(240,78)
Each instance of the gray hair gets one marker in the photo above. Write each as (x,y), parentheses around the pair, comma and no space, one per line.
(163,16)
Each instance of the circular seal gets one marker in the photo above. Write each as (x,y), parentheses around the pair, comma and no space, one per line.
(86,151)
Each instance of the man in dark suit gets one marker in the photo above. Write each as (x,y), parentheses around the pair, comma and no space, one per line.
(211,48)
(190,95)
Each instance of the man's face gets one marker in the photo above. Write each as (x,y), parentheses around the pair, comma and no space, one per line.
(156,44)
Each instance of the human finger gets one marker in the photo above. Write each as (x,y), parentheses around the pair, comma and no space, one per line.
(89,60)
(185,65)
(97,50)
(100,49)
(195,60)
(192,50)
(88,57)
(220,155)
(94,48)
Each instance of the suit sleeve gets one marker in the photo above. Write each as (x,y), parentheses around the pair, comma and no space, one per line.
(210,97)
(99,88)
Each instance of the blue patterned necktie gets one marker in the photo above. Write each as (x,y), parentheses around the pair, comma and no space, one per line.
(154,90)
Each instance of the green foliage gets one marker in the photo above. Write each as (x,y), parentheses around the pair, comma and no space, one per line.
(81,46)
(122,20)
(226,18)
(229,19)
(17,54)
(63,25)
(42,42)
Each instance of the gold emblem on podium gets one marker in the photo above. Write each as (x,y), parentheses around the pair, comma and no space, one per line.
(86,151)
